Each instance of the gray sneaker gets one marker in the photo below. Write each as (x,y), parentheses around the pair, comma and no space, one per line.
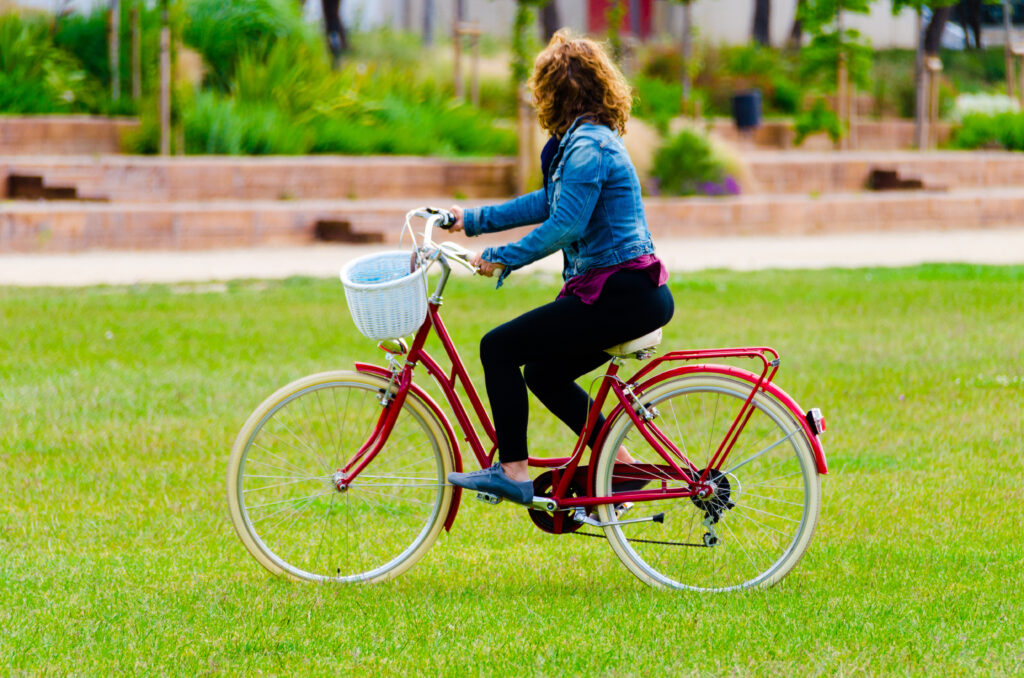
(495,481)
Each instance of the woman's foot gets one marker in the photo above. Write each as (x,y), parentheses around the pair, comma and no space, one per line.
(495,481)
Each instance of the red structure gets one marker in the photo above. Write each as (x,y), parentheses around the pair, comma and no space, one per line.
(597,13)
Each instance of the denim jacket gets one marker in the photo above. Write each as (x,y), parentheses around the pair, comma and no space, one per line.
(591,209)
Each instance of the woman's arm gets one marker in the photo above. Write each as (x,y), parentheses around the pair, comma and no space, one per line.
(581,181)
(531,208)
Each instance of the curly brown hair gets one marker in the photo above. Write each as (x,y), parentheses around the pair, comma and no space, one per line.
(575,77)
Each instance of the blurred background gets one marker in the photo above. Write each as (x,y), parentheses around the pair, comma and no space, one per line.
(730,98)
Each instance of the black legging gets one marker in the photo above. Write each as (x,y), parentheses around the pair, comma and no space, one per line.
(559,342)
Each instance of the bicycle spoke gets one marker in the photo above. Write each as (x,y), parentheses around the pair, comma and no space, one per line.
(759,514)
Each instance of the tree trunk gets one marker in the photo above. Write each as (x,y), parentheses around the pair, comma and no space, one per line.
(550,21)
(165,80)
(933,34)
(796,33)
(762,21)
(337,38)
(115,49)
(428,22)
(687,51)
(407,15)
(970,13)
(919,90)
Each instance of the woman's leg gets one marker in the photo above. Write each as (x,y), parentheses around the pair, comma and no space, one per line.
(565,338)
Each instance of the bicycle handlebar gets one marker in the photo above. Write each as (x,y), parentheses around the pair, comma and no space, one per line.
(444,219)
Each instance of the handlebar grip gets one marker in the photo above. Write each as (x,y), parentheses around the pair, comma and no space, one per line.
(447,219)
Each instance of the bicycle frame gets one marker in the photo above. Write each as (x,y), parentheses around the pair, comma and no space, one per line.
(626,392)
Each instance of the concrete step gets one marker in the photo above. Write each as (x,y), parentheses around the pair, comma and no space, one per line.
(144,178)
(70,226)
(73,134)
(782,172)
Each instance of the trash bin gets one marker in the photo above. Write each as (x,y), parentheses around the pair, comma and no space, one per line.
(746,109)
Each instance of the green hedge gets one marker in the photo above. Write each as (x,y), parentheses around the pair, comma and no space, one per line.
(1003,130)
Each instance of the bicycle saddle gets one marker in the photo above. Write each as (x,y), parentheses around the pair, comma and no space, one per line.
(640,348)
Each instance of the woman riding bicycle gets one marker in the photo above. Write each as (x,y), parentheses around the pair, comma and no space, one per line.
(591,209)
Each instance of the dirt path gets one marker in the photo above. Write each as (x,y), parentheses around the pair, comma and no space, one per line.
(1002,246)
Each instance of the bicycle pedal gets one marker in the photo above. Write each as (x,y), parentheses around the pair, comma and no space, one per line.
(489,498)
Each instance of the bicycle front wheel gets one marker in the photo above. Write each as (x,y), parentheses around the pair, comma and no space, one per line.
(282,482)
(767,493)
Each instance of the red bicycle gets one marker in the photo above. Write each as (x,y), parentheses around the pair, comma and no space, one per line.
(341,476)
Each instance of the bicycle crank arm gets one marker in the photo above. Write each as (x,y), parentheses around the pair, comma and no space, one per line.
(540,503)
(581,516)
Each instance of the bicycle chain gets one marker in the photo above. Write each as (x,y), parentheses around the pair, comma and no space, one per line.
(644,541)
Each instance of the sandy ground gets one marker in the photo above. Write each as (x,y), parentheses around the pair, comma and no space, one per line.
(997,246)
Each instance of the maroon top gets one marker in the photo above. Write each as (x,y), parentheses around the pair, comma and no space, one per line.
(587,286)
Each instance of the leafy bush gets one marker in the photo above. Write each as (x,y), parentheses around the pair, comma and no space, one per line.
(289,101)
(688,165)
(656,100)
(1002,130)
(818,119)
(37,78)
(786,95)
(223,30)
(85,38)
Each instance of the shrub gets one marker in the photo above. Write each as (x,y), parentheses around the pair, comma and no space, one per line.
(288,100)
(37,78)
(222,30)
(85,38)
(1002,130)
(656,100)
(688,165)
(818,119)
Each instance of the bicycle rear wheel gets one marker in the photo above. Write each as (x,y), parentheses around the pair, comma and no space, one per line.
(282,493)
(768,494)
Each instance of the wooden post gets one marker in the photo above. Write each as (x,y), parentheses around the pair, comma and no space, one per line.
(475,68)
(165,80)
(460,31)
(1018,52)
(136,53)
(1008,47)
(526,162)
(115,49)
(852,117)
(920,75)
(687,53)
(460,90)
(842,106)
(933,67)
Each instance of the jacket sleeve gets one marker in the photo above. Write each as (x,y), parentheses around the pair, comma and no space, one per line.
(531,208)
(573,204)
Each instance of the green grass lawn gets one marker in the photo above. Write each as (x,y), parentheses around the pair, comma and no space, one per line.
(118,408)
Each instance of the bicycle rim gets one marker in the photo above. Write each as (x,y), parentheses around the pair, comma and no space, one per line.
(768,493)
(282,491)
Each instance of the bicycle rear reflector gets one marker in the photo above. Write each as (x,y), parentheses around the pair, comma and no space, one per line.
(816,420)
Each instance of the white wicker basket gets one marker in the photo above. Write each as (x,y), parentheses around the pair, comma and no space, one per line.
(386,300)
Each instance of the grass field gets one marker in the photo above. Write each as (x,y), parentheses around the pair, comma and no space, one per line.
(118,407)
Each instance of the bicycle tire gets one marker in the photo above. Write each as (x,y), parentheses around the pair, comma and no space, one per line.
(771,482)
(281,490)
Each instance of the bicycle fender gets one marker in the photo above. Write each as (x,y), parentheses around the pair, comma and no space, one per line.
(384,373)
(737,373)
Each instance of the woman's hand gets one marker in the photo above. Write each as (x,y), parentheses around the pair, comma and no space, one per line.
(457,212)
(484,267)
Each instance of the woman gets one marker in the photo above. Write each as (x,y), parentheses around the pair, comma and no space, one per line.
(591,209)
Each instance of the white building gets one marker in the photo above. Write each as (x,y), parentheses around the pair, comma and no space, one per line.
(717,21)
